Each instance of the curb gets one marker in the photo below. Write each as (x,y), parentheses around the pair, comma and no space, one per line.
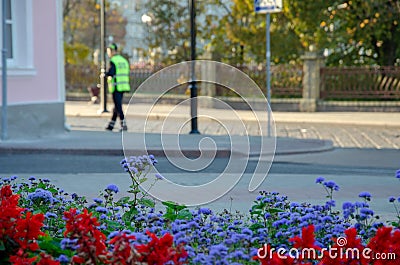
(323,146)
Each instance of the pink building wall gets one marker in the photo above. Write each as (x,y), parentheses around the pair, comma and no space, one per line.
(43,85)
(35,77)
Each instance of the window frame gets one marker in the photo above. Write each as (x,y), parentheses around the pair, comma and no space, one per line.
(21,63)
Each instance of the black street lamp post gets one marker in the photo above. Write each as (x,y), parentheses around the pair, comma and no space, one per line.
(103,90)
(192,82)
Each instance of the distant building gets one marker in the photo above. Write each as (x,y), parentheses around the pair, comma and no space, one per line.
(35,64)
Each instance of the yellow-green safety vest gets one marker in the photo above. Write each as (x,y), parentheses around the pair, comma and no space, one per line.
(121,78)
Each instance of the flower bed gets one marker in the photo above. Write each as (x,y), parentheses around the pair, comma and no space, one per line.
(42,224)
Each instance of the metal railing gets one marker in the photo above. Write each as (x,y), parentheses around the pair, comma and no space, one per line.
(363,83)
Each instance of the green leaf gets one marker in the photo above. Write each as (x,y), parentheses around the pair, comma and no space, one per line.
(184,214)
(2,246)
(123,200)
(147,202)
(173,205)
(256,226)
(256,212)
(275,210)
(170,216)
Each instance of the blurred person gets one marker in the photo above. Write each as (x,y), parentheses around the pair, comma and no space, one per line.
(118,84)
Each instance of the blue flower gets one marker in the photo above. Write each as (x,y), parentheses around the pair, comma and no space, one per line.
(100,209)
(365,195)
(331,185)
(97,200)
(205,211)
(392,199)
(113,234)
(366,211)
(63,258)
(319,180)
(330,203)
(112,188)
(67,243)
(41,195)
(347,205)
(360,204)
(398,174)
(50,215)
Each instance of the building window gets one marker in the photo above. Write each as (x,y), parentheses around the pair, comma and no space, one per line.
(9,28)
(19,37)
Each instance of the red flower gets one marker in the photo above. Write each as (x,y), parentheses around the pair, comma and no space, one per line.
(385,242)
(307,239)
(27,231)
(21,258)
(47,260)
(91,241)
(159,251)
(123,252)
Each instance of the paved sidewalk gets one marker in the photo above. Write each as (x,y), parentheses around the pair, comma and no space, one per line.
(84,109)
(296,132)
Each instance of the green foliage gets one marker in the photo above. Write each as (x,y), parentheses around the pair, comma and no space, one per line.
(363,32)
(76,53)
(82,29)
(175,211)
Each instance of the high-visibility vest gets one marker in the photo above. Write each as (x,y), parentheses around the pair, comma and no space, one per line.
(121,78)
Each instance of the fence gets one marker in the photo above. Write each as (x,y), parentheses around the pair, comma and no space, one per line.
(286,80)
(364,83)
(336,83)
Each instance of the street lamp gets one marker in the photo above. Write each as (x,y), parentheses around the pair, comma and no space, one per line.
(103,91)
(192,82)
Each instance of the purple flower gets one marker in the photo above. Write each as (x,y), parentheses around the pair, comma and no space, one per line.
(63,258)
(41,195)
(330,203)
(100,209)
(331,185)
(347,205)
(112,188)
(366,212)
(67,243)
(319,180)
(113,234)
(50,215)
(205,211)
(365,195)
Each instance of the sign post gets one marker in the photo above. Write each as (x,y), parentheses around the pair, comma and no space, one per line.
(267,7)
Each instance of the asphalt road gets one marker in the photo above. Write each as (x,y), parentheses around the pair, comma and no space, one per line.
(338,161)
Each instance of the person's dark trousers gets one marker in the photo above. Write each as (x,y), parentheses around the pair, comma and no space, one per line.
(117,111)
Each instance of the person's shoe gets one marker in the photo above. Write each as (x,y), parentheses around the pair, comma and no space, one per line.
(123,126)
(110,126)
